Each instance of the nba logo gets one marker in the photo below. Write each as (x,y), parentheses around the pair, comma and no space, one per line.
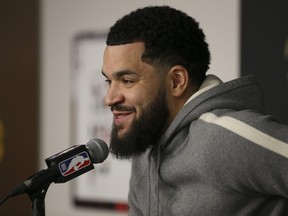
(74,163)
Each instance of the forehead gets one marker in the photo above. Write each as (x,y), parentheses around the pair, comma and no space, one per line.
(123,57)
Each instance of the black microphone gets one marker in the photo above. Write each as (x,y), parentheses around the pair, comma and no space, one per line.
(65,166)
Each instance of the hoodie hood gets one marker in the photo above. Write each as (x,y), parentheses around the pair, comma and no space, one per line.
(240,94)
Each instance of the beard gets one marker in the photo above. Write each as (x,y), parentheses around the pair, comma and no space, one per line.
(144,131)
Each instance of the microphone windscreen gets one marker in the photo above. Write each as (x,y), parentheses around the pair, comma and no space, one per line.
(99,150)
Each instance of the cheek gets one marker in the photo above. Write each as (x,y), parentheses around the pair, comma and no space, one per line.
(142,96)
(142,100)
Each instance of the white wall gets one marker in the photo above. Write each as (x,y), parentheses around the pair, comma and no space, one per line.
(62,19)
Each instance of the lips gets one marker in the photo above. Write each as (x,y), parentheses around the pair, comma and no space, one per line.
(122,114)
(121,117)
(118,115)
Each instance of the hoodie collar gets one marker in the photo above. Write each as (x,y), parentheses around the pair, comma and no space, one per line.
(210,82)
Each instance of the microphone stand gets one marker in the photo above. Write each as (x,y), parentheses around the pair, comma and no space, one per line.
(38,201)
(38,187)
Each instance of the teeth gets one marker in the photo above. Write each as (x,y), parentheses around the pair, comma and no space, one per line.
(120,116)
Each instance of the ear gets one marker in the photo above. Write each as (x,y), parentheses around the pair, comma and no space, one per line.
(179,80)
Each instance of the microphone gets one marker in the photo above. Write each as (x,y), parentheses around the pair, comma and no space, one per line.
(65,166)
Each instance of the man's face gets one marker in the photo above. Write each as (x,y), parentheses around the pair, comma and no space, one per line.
(137,97)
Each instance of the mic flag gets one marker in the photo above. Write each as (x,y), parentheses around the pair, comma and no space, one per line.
(71,163)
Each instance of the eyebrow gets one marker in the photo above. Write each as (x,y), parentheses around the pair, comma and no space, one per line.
(121,73)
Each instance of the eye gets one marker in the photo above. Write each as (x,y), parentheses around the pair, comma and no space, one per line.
(108,81)
(127,81)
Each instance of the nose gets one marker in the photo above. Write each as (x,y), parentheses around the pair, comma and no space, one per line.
(113,96)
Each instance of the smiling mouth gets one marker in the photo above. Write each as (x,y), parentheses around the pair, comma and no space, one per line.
(120,112)
(122,119)
(120,115)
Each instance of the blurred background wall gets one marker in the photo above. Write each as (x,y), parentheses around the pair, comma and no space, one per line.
(264,51)
(19,98)
(35,76)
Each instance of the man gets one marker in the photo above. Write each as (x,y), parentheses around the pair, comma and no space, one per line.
(199,146)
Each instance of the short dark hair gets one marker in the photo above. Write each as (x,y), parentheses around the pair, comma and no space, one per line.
(170,36)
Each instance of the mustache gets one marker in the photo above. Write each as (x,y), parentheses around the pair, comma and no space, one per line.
(119,107)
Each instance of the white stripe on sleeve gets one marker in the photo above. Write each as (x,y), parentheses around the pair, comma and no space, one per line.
(248,132)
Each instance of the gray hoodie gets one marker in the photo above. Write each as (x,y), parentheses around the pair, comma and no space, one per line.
(219,157)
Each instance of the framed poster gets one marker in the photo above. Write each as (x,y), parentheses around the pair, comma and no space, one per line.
(107,185)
